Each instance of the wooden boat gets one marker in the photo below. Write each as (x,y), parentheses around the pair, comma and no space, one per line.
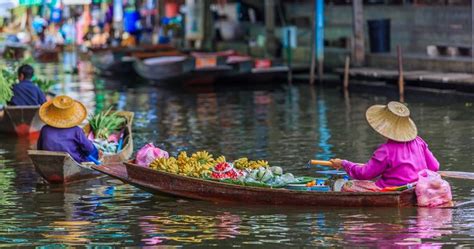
(14,51)
(164,69)
(60,167)
(118,61)
(188,187)
(46,55)
(20,120)
(255,71)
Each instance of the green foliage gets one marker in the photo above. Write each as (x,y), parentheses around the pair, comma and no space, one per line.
(6,92)
(44,84)
(104,123)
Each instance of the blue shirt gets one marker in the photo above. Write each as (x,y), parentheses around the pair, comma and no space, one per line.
(27,93)
(70,140)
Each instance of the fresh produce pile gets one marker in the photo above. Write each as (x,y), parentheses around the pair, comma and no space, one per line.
(199,164)
(107,129)
(242,171)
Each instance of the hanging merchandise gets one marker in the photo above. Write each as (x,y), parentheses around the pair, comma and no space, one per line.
(76,2)
(130,21)
(31,2)
(56,11)
(118,11)
(194,23)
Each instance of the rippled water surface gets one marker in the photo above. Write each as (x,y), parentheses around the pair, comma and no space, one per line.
(286,125)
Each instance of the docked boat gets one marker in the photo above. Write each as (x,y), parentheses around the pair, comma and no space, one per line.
(164,69)
(20,120)
(118,61)
(47,55)
(60,167)
(194,188)
(260,71)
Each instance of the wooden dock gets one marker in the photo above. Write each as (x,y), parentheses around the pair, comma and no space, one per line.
(463,82)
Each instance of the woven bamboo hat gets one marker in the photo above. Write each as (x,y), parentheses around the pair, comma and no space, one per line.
(63,112)
(392,121)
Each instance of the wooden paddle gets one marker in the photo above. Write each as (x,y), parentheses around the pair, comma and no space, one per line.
(449,174)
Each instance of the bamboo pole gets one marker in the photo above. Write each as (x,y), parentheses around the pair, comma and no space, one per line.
(346,74)
(401,81)
(358,49)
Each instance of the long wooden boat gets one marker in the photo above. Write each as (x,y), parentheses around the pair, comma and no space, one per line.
(45,55)
(20,120)
(188,187)
(60,167)
(164,69)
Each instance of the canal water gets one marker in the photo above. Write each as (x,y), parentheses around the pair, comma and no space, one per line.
(286,125)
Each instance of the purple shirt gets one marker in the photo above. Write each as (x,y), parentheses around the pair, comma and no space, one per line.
(27,93)
(70,140)
(397,163)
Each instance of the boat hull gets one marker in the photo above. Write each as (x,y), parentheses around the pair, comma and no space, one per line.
(21,121)
(164,72)
(61,168)
(193,188)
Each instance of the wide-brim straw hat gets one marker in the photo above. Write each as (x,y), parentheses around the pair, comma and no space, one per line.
(392,121)
(63,112)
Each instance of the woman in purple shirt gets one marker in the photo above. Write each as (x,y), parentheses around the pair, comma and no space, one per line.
(62,116)
(396,162)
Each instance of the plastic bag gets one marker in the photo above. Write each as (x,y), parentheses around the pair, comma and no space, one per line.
(432,191)
(148,154)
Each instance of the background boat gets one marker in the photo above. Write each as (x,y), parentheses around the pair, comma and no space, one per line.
(165,69)
(60,167)
(20,120)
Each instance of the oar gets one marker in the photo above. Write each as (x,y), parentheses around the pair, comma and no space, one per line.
(457,174)
(320,162)
(449,174)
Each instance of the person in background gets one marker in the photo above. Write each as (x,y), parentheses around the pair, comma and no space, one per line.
(397,161)
(62,115)
(25,92)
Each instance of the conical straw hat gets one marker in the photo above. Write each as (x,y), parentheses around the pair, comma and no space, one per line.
(63,112)
(392,121)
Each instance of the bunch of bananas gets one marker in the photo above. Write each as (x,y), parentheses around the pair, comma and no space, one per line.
(198,165)
(244,163)
(165,164)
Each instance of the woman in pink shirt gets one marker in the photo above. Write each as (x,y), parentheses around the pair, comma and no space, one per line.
(396,162)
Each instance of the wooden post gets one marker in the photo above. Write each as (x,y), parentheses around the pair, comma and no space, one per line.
(346,74)
(289,55)
(358,48)
(270,39)
(401,81)
(208,26)
(472,36)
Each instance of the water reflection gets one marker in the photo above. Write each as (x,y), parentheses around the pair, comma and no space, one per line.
(285,125)
(427,224)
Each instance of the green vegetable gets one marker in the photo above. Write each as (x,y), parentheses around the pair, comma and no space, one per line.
(6,92)
(43,84)
(104,123)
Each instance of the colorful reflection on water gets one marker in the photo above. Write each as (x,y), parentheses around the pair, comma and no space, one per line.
(286,125)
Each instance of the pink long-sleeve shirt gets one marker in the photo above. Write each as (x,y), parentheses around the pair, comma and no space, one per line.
(397,163)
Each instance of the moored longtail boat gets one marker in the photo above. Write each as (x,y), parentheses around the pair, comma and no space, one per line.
(20,120)
(194,188)
(60,167)
(165,68)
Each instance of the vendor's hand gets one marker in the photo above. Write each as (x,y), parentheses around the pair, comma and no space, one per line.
(336,163)
(101,155)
